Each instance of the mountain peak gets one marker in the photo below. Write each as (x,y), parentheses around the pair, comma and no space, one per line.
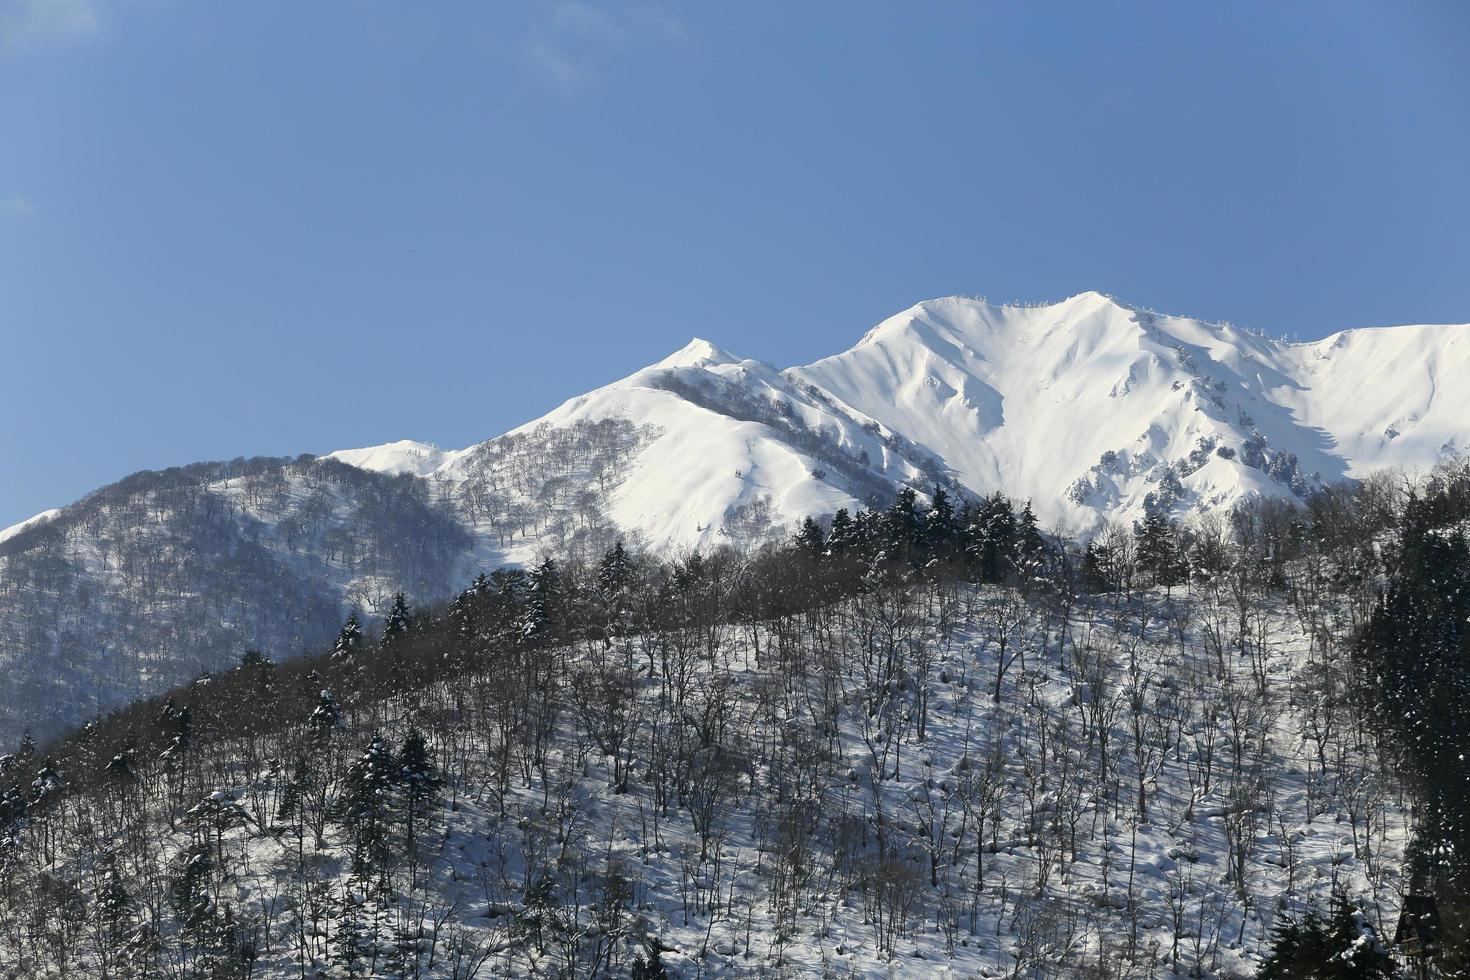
(698,353)
(1092,297)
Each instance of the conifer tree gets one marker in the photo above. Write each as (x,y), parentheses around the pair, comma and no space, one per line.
(120,767)
(349,639)
(544,603)
(991,537)
(614,577)
(419,780)
(841,538)
(809,539)
(325,717)
(366,806)
(903,525)
(177,726)
(1030,547)
(1158,550)
(1314,948)
(399,620)
(941,526)
(614,571)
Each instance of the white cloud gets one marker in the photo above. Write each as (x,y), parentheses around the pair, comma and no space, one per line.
(571,40)
(553,62)
(17,206)
(585,20)
(28,21)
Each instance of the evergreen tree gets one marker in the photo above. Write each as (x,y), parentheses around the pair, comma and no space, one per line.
(120,767)
(1313,948)
(189,894)
(809,539)
(399,620)
(903,526)
(990,539)
(614,572)
(114,911)
(349,639)
(13,796)
(842,536)
(941,526)
(614,577)
(418,778)
(366,805)
(543,603)
(325,717)
(650,967)
(1158,549)
(261,669)
(1029,545)
(177,727)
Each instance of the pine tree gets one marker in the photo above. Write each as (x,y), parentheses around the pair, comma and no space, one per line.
(366,805)
(177,727)
(399,620)
(418,778)
(649,968)
(841,538)
(325,718)
(1313,948)
(113,909)
(1158,550)
(189,889)
(941,527)
(614,571)
(809,539)
(990,539)
(120,767)
(544,603)
(903,526)
(614,577)
(1029,547)
(349,639)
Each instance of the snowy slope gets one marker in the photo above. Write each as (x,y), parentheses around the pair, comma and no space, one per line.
(1093,410)
(735,451)
(403,456)
(28,523)
(1086,406)
(1018,859)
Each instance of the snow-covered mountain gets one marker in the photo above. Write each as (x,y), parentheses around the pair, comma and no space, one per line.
(1093,410)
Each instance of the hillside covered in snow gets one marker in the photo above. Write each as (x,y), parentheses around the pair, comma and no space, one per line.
(1093,411)
(929,742)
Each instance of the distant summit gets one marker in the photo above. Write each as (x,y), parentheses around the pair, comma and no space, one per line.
(1092,409)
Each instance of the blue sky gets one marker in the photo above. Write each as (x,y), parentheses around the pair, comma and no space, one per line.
(283,227)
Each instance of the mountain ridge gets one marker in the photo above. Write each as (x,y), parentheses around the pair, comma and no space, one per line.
(1093,410)
(959,380)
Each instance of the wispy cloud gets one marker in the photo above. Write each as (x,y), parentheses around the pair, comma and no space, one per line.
(570,41)
(17,206)
(25,22)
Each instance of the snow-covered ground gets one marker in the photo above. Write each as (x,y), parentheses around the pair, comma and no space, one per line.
(1092,410)
(28,523)
(1013,836)
(1089,408)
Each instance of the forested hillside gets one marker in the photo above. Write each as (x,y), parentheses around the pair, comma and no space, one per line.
(164,576)
(1093,410)
(920,739)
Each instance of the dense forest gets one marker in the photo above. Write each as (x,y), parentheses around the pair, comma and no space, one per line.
(921,738)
